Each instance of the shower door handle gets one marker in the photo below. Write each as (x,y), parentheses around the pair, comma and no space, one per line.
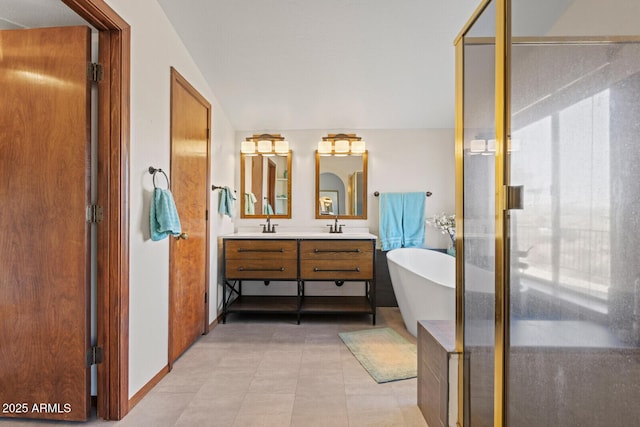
(515,197)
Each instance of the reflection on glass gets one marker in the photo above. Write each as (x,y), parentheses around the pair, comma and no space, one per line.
(575,280)
(341,186)
(265,186)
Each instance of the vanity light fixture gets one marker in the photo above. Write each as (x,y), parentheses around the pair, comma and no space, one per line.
(488,147)
(341,145)
(265,148)
(324,148)
(248,148)
(477,146)
(265,144)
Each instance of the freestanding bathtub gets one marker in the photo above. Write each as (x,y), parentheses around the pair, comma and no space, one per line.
(424,283)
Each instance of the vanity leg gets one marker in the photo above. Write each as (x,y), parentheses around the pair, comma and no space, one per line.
(300,294)
(224,302)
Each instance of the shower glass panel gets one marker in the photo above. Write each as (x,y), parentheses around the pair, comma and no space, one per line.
(479,218)
(574,355)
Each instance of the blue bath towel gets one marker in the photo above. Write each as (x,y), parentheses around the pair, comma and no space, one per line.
(413,219)
(164,220)
(391,207)
(225,202)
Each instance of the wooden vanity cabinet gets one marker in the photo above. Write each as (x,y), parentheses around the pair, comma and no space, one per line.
(261,259)
(334,261)
(338,261)
(258,259)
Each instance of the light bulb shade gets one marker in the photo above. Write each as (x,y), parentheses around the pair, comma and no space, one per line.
(341,146)
(324,147)
(264,146)
(477,145)
(357,147)
(248,147)
(282,147)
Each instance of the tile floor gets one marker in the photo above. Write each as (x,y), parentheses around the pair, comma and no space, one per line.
(267,371)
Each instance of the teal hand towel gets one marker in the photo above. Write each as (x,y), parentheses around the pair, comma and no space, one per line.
(391,207)
(164,220)
(413,219)
(268,209)
(225,202)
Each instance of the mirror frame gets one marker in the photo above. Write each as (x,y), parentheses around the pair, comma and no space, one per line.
(242,190)
(365,175)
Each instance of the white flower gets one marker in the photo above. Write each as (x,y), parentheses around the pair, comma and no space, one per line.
(446,224)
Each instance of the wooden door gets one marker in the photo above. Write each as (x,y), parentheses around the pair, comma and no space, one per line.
(44,248)
(257,176)
(271,180)
(189,258)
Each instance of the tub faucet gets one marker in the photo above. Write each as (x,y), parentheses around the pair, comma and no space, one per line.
(268,227)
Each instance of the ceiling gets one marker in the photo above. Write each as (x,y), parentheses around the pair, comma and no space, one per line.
(330,64)
(308,64)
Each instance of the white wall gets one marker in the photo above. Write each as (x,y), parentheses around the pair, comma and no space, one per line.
(155,47)
(399,161)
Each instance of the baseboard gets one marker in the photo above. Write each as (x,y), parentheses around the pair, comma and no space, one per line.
(215,322)
(136,398)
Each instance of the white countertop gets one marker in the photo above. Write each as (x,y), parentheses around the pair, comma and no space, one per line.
(301,235)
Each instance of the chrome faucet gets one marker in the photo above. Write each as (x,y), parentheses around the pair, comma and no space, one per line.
(268,227)
(335,228)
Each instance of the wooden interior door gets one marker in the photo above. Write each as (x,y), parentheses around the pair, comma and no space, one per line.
(189,257)
(44,249)
(271,189)
(257,176)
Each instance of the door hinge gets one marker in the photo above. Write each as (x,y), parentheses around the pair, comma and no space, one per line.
(206,297)
(206,215)
(514,195)
(94,355)
(208,133)
(95,72)
(94,214)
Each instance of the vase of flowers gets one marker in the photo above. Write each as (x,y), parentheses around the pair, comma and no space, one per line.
(447,225)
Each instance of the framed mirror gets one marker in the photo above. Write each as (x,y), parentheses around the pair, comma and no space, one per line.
(341,182)
(265,182)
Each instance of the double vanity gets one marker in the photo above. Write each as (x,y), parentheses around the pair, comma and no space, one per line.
(300,257)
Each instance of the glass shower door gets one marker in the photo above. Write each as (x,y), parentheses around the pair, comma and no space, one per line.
(478,230)
(574,356)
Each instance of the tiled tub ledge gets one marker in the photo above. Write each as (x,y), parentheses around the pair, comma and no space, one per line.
(437,372)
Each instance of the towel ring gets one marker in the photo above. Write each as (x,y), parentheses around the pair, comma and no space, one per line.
(153,172)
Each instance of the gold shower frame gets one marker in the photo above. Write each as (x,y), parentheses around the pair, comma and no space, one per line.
(503,42)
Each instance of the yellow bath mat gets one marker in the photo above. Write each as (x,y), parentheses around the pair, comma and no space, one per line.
(383,353)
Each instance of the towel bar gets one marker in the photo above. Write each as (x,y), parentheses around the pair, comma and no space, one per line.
(377,193)
(218,187)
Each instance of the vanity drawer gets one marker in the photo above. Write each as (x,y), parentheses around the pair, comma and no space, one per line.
(323,269)
(261,249)
(336,250)
(262,269)
(336,260)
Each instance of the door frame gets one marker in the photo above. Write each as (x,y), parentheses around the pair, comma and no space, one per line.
(113,196)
